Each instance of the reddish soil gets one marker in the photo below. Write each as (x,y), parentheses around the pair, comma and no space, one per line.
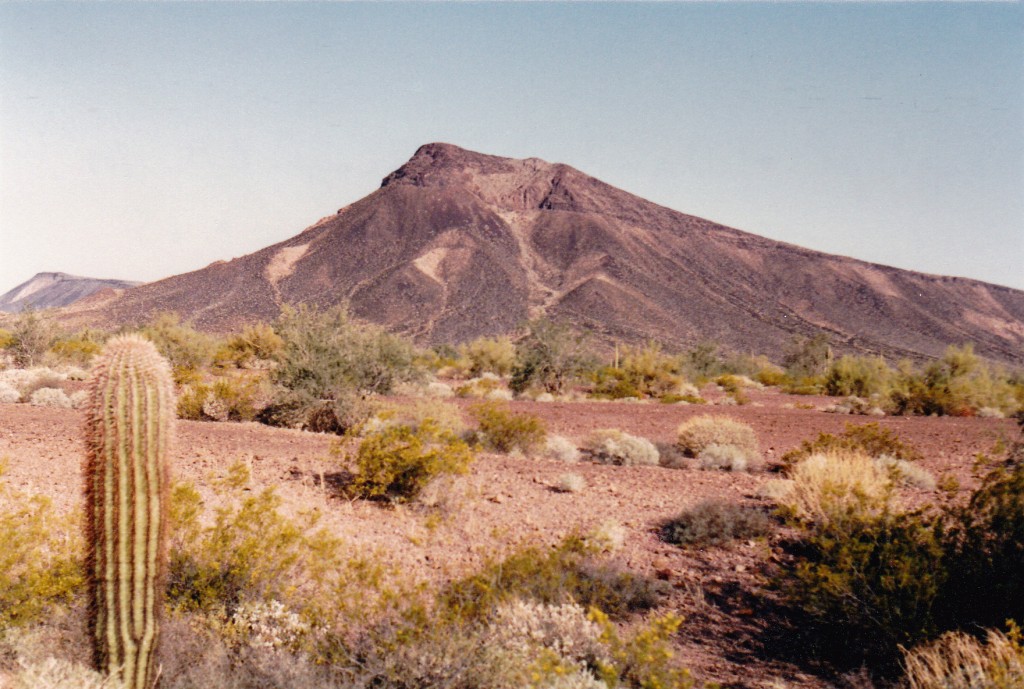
(507,501)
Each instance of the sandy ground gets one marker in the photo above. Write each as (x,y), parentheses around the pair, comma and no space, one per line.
(506,501)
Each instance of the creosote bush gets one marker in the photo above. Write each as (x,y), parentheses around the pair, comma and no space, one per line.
(502,430)
(328,364)
(550,357)
(397,462)
(715,522)
(39,557)
(572,572)
(870,439)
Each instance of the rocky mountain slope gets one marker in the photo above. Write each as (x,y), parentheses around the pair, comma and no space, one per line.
(51,290)
(457,244)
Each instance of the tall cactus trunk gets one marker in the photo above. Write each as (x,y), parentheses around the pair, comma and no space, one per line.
(129,421)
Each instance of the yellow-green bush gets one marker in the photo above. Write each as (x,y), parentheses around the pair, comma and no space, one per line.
(6,338)
(645,658)
(397,462)
(870,438)
(859,376)
(959,384)
(250,552)
(572,572)
(183,346)
(256,342)
(80,348)
(501,430)
(39,557)
(640,372)
(489,355)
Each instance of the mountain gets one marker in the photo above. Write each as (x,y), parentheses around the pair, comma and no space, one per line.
(456,244)
(50,290)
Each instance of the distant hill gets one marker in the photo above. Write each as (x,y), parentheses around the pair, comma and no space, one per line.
(50,290)
(457,244)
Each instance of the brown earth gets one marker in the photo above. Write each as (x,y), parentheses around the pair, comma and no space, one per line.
(507,501)
(457,244)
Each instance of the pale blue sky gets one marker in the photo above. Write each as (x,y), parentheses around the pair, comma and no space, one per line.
(139,141)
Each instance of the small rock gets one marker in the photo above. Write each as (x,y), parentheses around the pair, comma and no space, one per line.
(741,568)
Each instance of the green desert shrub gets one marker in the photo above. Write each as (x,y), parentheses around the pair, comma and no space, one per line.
(715,522)
(807,357)
(414,413)
(495,355)
(328,364)
(612,446)
(986,549)
(31,335)
(572,572)
(397,462)
(871,438)
(6,338)
(187,349)
(502,430)
(697,434)
(858,376)
(250,552)
(550,356)
(641,372)
(959,384)
(256,343)
(39,557)
(80,347)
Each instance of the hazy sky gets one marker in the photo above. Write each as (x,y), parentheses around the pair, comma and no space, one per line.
(139,141)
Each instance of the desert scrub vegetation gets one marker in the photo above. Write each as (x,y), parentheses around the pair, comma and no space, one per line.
(39,557)
(715,522)
(642,372)
(873,575)
(871,439)
(187,349)
(612,446)
(958,661)
(709,435)
(574,571)
(495,355)
(327,366)
(397,462)
(550,356)
(30,338)
(499,429)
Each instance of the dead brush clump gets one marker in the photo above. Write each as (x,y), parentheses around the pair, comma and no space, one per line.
(958,661)
(832,484)
(715,522)
(612,446)
(699,434)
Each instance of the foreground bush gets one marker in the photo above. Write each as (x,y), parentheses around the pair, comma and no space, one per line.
(958,661)
(39,558)
(838,486)
(398,462)
(501,430)
(250,552)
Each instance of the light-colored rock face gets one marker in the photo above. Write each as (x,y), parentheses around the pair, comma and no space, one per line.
(457,244)
(50,290)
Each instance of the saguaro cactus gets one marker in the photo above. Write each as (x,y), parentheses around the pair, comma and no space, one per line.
(128,427)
